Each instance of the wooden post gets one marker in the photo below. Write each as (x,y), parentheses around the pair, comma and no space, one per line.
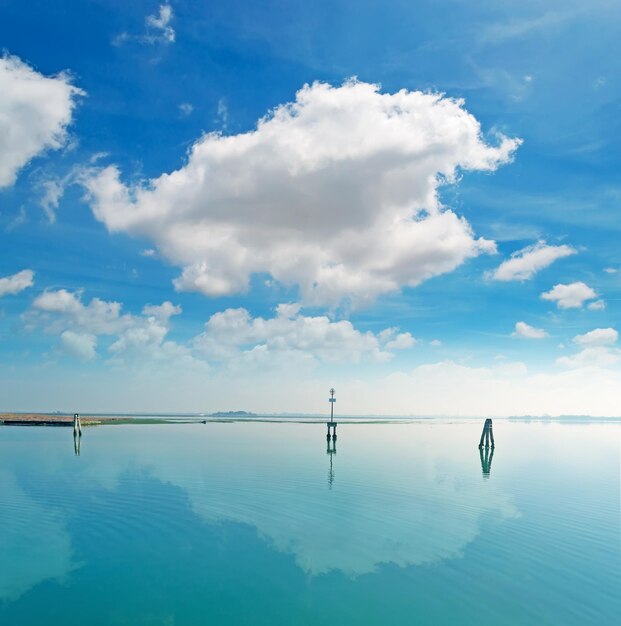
(487,434)
(483,434)
(77,426)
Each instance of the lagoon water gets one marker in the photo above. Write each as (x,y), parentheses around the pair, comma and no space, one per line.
(256,523)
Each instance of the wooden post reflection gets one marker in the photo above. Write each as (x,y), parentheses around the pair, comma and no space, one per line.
(486,456)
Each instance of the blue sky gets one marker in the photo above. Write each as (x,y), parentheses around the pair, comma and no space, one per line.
(447,164)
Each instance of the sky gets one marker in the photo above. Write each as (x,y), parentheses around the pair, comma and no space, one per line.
(208,206)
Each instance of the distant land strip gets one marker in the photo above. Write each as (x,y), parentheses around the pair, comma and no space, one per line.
(43,419)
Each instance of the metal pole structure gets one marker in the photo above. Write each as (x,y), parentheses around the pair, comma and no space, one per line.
(332,423)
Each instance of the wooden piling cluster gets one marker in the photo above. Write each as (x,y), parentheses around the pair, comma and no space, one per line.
(77,425)
(487,434)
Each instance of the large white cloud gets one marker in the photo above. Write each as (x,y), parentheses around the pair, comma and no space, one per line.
(35,111)
(571,296)
(525,263)
(336,193)
(11,285)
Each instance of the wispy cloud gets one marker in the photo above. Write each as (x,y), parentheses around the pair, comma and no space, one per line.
(17,220)
(185,109)
(53,191)
(525,263)
(515,28)
(158,25)
(158,29)
(222,113)
(12,285)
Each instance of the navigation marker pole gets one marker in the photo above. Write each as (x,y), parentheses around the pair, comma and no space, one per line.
(332,423)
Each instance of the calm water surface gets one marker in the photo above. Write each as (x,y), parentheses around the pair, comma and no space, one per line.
(256,523)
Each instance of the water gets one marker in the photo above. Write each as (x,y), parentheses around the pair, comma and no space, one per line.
(255,523)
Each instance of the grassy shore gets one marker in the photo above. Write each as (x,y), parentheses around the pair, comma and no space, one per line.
(43,419)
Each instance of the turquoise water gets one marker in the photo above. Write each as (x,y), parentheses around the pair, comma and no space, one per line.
(255,523)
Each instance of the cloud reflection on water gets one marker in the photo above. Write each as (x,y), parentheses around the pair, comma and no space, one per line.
(34,542)
(401,495)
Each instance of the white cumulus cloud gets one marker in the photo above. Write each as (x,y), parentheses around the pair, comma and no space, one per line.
(80,345)
(62,309)
(571,296)
(597,337)
(525,263)
(336,193)
(11,285)
(162,312)
(522,329)
(231,338)
(234,333)
(35,111)
(597,349)
(401,341)
(135,338)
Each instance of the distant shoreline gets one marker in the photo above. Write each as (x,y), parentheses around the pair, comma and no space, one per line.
(95,419)
(62,420)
